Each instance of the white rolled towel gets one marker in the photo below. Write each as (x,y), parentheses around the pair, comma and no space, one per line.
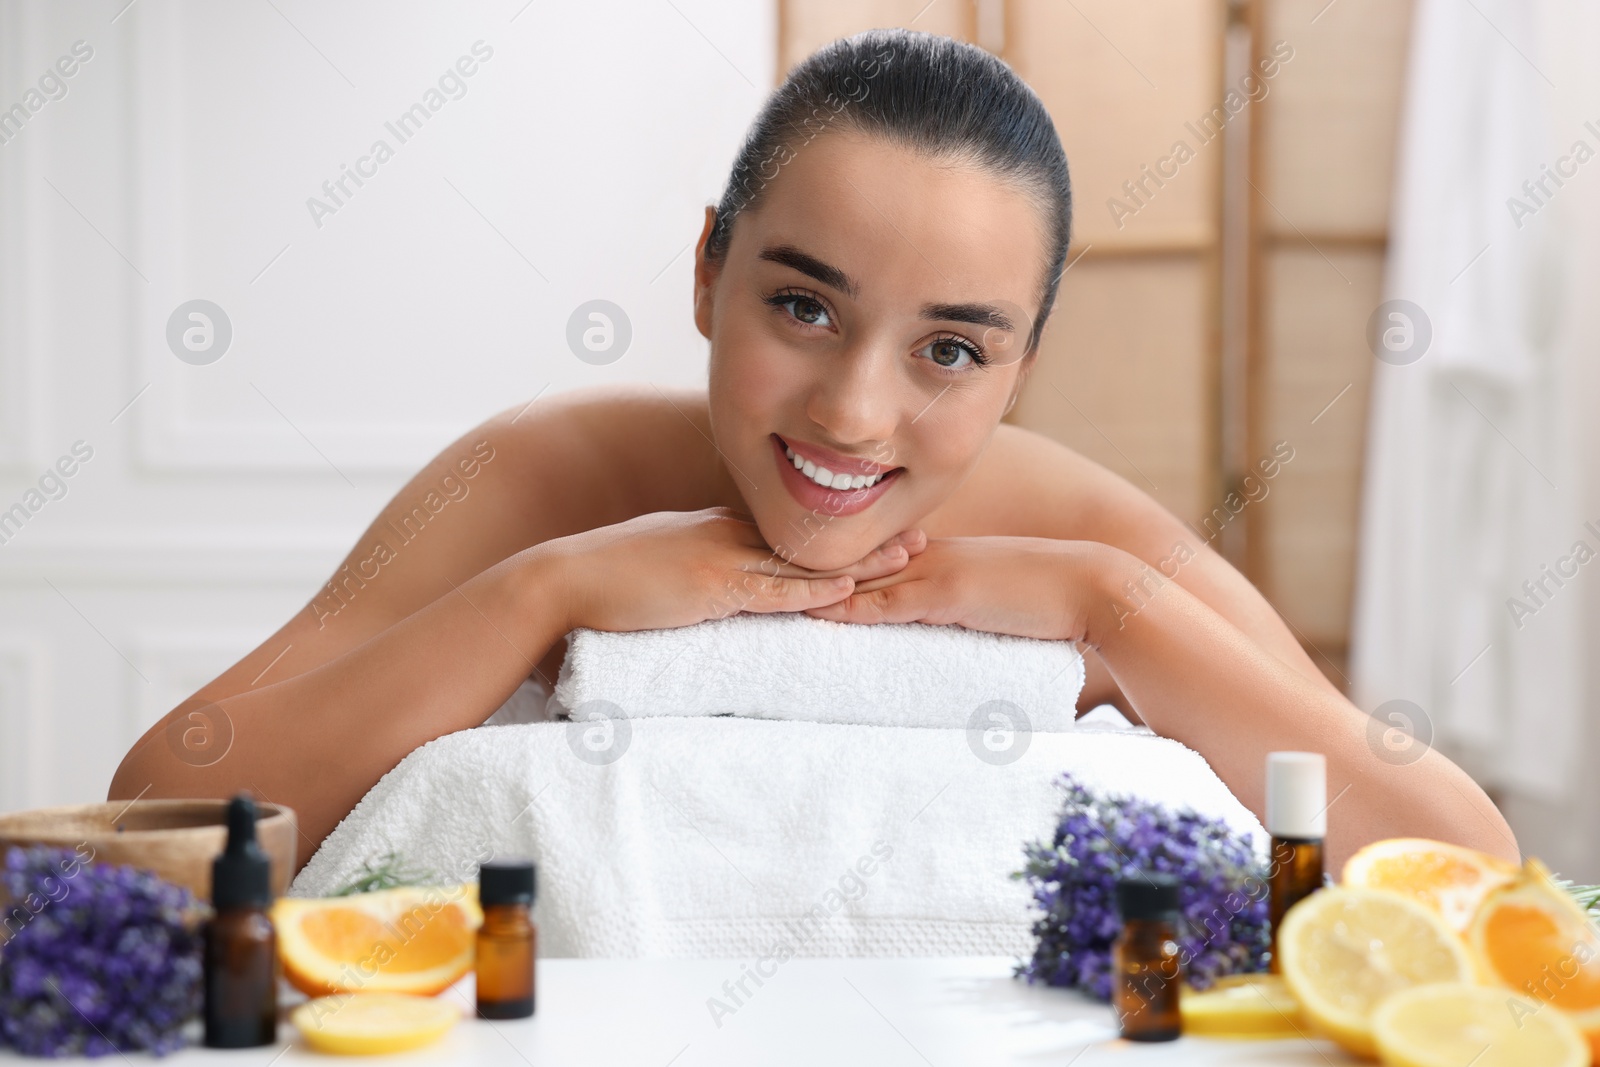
(789,665)
(734,837)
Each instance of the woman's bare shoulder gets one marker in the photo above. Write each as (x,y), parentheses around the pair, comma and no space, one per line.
(610,452)
(1029,484)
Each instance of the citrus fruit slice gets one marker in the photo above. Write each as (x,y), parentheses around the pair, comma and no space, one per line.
(1452,1023)
(1346,950)
(1242,1005)
(408,940)
(1448,878)
(1533,937)
(366,1024)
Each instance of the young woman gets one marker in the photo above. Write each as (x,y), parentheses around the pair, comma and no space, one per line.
(873,284)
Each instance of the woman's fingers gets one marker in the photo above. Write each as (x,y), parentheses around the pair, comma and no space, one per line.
(888,558)
(901,602)
(798,594)
(913,540)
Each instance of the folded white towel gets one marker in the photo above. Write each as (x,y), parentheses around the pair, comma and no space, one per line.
(789,665)
(742,838)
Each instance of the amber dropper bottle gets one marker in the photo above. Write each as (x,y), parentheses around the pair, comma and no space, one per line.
(508,942)
(241,946)
(1297,819)
(1146,964)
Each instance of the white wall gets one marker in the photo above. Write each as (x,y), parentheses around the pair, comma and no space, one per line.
(177,166)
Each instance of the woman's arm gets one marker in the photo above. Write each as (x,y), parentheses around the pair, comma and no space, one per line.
(1189,674)
(1192,675)
(1072,498)
(319,740)
(434,618)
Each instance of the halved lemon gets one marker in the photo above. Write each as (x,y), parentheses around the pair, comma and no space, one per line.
(1448,878)
(1452,1024)
(1534,938)
(408,940)
(367,1024)
(1345,951)
(1242,1005)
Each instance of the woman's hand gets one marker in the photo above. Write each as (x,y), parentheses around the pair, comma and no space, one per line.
(676,568)
(1028,586)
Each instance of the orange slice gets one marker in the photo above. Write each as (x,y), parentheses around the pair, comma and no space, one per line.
(408,940)
(1450,879)
(1533,937)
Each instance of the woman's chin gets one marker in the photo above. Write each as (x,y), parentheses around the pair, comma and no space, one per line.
(823,552)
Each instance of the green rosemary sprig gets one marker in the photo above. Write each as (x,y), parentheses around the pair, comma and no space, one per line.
(1587,896)
(386,872)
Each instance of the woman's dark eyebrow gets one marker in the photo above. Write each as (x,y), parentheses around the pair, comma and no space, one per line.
(812,267)
(977,314)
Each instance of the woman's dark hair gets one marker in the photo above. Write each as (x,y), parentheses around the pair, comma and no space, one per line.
(933,94)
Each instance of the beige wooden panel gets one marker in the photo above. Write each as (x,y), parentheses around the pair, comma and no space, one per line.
(1121,80)
(1124,374)
(1332,113)
(806,25)
(1314,341)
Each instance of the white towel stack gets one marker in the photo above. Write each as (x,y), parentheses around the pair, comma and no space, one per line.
(772,786)
(789,665)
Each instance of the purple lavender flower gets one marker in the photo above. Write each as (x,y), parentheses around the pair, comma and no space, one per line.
(1222,889)
(94,959)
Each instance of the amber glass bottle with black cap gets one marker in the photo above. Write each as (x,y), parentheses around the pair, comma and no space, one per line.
(508,942)
(241,946)
(1146,965)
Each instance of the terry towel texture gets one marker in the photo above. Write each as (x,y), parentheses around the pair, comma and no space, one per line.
(744,838)
(788,665)
(770,785)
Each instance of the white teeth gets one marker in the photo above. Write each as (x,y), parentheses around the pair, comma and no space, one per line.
(828,479)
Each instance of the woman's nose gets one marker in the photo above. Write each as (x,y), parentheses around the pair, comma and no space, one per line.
(857,397)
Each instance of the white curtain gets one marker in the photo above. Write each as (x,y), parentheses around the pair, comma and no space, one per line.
(1480,543)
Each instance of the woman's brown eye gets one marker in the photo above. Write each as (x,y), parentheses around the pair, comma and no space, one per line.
(946,353)
(807,311)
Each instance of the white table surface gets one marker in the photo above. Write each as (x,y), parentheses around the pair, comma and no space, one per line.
(884,1012)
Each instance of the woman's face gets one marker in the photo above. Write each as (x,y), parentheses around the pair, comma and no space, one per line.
(871,317)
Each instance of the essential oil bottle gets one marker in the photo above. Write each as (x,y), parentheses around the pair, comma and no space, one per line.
(508,942)
(1297,819)
(241,946)
(1146,967)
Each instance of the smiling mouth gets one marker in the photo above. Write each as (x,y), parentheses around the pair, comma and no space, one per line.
(838,481)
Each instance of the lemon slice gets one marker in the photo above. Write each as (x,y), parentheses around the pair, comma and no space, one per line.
(1242,1005)
(364,1024)
(1454,1023)
(1344,951)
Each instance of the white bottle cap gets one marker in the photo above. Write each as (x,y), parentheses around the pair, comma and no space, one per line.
(1297,795)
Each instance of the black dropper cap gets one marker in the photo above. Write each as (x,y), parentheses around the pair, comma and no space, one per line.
(506,882)
(1148,896)
(241,876)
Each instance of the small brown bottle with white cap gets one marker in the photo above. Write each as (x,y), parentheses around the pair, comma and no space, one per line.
(1297,819)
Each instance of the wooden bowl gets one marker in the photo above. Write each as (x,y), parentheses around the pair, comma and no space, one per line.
(176,839)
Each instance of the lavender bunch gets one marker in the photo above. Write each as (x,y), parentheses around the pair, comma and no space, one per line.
(1222,890)
(94,958)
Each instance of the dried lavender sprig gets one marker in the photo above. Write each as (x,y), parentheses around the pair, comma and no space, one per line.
(1100,839)
(98,959)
